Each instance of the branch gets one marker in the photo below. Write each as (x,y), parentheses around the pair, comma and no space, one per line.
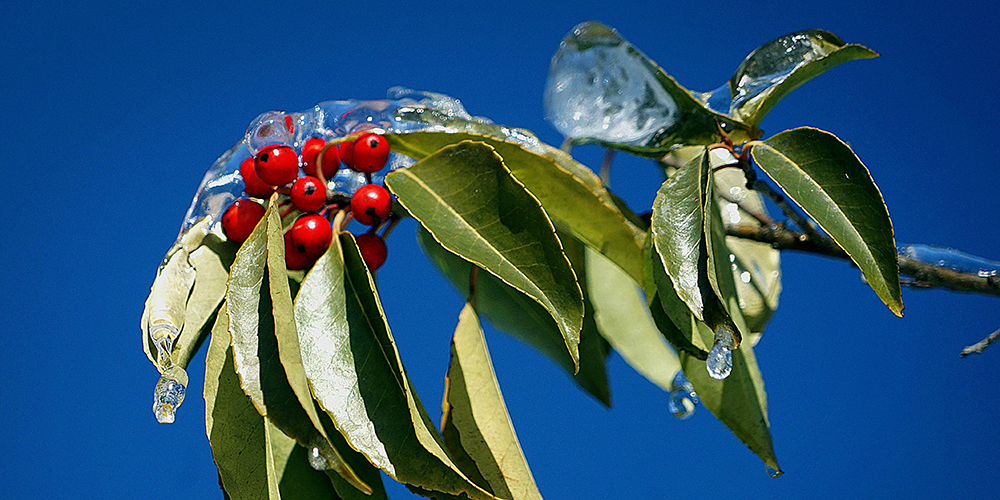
(924,275)
(978,347)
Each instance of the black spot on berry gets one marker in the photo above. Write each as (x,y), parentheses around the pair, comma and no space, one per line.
(310,189)
(301,248)
(263,157)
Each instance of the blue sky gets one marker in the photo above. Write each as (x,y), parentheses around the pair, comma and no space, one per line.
(114,112)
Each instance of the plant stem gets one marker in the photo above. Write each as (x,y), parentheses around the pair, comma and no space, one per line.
(924,275)
(978,347)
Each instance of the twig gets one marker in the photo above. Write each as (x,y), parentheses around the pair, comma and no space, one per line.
(761,217)
(924,275)
(978,347)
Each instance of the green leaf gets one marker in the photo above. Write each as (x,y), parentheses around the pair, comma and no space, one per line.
(739,400)
(672,316)
(776,68)
(757,266)
(476,417)
(513,312)
(602,89)
(719,270)
(623,318)
(235,430)
(823,176)
(296,478)
(467,198)
(570,193)
(265,342)
(357,377)
(676,228)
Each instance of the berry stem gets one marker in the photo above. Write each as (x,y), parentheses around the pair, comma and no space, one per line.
(393,220)
(319,163)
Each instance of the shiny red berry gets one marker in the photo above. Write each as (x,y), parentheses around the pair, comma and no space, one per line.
(373,250)
(311,235)
(308,194)
(240,219)
(294,259)
(254,186)
(371,204)
(277,165)
(331,158)
(346,152)
(371,152)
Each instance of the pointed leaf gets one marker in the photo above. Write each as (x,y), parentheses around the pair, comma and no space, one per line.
(739,400)
(265,343)
(467,198)
(672,316)
(676,228)
(235,430)
(623,318)
(757,266)
(719,268)
(513,312)
(776,68)
(570,193)
(823,176)
(296,478)
(603,89)
(474,408)
(357,377)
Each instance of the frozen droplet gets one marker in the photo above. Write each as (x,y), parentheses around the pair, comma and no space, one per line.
(317,460)
(772,471)
(601,87)
(950,258)
(272,127)
(683,399)
(720,358)
(169,394)
(745,276)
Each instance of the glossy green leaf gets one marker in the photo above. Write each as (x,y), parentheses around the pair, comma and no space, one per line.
(623,318)
(672,316)
(569,193)
(739,401)
(676,228)
(235,430)
(719,271)
(265,342)
(357,377)
(776,68)
(475,415)
(513,312)
(296,478)
(823,176)
(756,266)
(603,89)
(467,198)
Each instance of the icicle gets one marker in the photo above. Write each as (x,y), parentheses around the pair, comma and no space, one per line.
(683,399)
(720,358)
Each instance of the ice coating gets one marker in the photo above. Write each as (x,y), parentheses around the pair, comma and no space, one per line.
(720,358)
(767,66)
(329,120)
(951,259)
(683,399)
(600,87)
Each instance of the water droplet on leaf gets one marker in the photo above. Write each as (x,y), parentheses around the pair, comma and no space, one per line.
(720,358)
(683,399)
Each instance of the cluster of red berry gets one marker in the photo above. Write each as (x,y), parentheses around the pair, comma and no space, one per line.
(276,166)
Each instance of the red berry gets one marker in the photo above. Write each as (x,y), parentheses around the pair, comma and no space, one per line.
(311,235)
(294,259)
(254,186)
(371,152)
(277,165)
(331,158)
(346,151)
(240,219)
(373,250)
(308,194)
(371,204)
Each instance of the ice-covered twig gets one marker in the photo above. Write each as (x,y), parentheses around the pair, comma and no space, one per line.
(978,347)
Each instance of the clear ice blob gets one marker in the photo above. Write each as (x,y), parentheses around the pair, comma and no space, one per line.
(316,460)
(169,394)
(720,358)
(601,87)
(683,399)
(950,258)
(272,127)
